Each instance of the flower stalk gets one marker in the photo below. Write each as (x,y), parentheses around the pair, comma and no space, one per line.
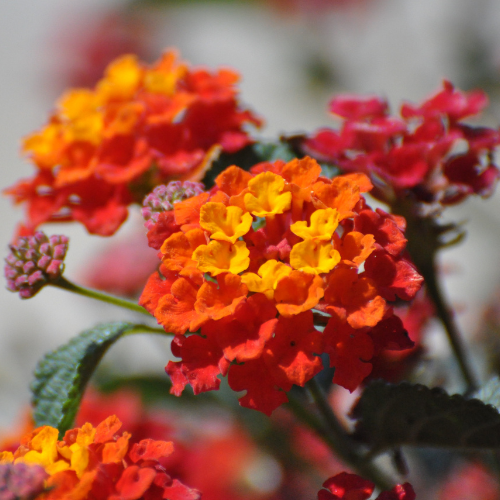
(65,284)
(424,235)
(333,434)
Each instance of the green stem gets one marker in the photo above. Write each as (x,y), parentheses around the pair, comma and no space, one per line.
(345,447)
(94,294)
(333,434)
(446,317)
(424,235)
(148,329)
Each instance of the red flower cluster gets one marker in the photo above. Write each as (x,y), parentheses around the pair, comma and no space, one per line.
(429,150)
(97,464)
(345,486)
(141,126)
(245,265)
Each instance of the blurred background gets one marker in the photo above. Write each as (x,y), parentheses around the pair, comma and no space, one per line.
(293,56)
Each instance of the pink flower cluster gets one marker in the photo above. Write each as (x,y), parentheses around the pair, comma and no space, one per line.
(428,152)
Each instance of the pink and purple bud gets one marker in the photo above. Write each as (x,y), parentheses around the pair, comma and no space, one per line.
(34,262)
(163,198)
(21,481)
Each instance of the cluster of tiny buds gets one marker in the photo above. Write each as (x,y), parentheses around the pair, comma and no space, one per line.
(35,261)
(21,481)
(163,198)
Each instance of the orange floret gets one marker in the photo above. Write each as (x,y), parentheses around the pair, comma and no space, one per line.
(355,247)
(221,299)
(298,292)
(176,312)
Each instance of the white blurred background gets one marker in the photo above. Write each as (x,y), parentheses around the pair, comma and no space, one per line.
(291,64)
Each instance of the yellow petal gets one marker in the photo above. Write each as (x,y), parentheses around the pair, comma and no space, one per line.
(324,222)
(267,279)
(222,257)
(224,223)
(314,257)
(266,196)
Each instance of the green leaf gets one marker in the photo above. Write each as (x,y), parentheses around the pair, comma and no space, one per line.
(272,151)
(62,375)
(389,416)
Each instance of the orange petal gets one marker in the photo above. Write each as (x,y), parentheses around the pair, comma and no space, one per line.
(233,180)
(298,292)
(187,212)
(221,299)
(175,311)
(115,452)
(355,247)
(303,172)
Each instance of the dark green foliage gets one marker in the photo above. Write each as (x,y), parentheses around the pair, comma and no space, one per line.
(389,416)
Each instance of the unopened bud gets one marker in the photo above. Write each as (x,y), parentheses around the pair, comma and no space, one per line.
(35,261)
(163,198)
(21,481)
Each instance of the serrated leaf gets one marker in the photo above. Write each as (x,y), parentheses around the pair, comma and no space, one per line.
(389,416)
(490,393)
(62,375)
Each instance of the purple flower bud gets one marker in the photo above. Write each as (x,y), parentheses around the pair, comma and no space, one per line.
(34,262)
(21,481)
(43,262)
(163,198)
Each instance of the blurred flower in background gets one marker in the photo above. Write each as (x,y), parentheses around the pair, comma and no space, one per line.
(85,46)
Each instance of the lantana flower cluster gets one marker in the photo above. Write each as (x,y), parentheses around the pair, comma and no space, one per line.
(97,463)
(105,148)
(428,152)
(252,265)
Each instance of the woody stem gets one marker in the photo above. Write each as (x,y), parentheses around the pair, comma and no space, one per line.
(94,294)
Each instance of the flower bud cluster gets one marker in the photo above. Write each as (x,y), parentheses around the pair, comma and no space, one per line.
(21,481)
(35,261)
(163,198)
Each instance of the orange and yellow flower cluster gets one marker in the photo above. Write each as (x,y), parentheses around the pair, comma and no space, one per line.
(246,264)
(96,463)
(106,147)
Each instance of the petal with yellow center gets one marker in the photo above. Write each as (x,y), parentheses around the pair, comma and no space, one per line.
(267,195)
(314,257)
(222,257)
(324,222)
(224,223)
(267,278)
